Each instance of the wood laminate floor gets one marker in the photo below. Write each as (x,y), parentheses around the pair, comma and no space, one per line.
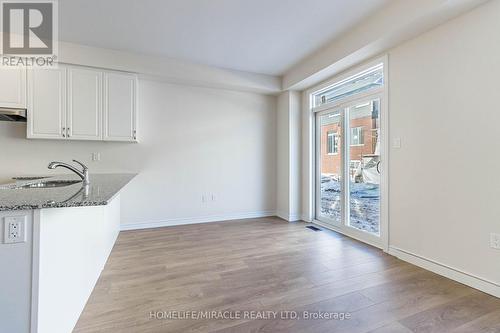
(271,265)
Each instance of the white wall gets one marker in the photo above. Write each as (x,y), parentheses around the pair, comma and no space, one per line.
(443,189)
(288,156)
(295,154)
(283,156)
(194,141)
(444,192)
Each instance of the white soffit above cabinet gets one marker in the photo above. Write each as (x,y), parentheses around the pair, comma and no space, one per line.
(258,36)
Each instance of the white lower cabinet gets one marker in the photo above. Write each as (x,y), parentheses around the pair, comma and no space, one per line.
(82,103)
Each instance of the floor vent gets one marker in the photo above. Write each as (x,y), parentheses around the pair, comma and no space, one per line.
(313,228)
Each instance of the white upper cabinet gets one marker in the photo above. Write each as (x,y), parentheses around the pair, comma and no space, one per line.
(84,104)
(120,116)
(47,103)
(81,103)
(13,88)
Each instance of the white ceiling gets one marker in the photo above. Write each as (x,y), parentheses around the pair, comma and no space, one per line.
(260,36)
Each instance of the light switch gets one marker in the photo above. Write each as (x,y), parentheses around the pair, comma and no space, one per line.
(396,143)
(495,241)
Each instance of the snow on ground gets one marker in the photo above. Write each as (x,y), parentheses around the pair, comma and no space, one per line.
(365,203)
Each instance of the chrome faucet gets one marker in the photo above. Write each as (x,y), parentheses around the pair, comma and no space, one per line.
(84,174)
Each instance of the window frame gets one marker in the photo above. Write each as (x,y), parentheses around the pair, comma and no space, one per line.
(335,144)
(346,78)
(361,134)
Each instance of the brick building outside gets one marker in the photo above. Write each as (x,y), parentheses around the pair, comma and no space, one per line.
(363,124)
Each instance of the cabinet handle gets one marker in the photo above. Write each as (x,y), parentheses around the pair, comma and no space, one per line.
(63,133)
(68,132)
(135,135)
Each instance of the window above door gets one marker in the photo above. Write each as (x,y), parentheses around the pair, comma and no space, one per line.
(369,79)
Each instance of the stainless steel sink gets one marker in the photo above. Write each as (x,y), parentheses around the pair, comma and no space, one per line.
(49,184)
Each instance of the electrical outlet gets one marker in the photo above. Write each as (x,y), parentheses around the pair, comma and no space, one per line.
(495,241)
(96,157)
(14,229)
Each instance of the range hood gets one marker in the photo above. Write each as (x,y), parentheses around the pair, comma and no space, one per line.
(11,114)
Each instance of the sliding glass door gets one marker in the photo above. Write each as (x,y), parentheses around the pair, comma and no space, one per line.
(348,159)
(330,164)
(363,194)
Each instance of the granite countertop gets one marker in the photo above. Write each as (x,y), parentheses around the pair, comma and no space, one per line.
(101,190)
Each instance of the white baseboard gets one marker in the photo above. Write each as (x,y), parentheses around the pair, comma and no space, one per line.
(282,215)
(468,279)
(195,220)
(294,217)
(306,218)
(289,217)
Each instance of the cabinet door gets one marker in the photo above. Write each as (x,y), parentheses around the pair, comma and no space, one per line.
(120,111)
(47,103)
(13,88)
(84,104)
